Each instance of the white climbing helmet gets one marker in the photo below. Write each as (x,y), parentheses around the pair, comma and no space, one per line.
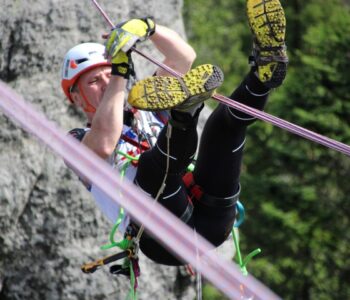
(79,60)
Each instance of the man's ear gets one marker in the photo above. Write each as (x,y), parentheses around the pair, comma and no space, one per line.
(78,101)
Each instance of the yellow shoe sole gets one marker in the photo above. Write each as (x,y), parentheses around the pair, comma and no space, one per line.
(268,24)
(163,92)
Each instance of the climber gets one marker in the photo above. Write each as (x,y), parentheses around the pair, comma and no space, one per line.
(206,198)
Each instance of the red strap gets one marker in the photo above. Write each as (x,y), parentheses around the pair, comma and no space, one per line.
(144,145)
(194,189)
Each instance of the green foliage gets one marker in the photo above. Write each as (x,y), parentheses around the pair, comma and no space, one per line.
(209,28)
(296,192)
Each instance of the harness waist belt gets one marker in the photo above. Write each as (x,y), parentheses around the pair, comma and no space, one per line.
(197,193)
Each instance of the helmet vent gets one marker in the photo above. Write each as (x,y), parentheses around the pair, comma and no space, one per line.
(79,61)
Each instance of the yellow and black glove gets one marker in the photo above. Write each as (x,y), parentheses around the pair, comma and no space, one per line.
(122,65)
(122,38)
(140,28)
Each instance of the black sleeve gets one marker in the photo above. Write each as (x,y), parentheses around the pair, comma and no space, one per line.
(78,133)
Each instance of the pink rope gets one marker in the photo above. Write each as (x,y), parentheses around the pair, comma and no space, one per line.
(99,8)
(175,235)
(298,130)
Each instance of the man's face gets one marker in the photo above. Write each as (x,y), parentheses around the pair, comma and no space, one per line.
(92,85)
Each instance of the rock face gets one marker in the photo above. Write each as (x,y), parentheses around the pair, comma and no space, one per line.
(49,224)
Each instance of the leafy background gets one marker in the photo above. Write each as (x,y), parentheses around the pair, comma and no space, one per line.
(296,192)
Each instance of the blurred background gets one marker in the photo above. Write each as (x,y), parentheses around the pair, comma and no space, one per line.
(296,193)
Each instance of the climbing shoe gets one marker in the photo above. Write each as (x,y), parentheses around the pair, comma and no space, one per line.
(162,93)
(268,25)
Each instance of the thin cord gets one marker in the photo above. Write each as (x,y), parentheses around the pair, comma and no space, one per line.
(162,186)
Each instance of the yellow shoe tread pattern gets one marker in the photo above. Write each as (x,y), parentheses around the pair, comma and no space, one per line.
(165,92)
(268,24)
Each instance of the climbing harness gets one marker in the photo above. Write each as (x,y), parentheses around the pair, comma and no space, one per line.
(196,193)
(130,243)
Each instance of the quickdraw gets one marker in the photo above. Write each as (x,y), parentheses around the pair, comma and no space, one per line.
(129,268)
(91,267)
(241,262)
(129,244)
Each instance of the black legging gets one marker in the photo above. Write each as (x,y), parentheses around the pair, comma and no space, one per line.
(217,168)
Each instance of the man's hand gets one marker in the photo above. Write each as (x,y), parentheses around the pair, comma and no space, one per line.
(120,41)
(122,65)
(142,28)
(126,34)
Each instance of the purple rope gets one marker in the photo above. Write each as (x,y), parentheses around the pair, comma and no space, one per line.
(298,130)
(99,8)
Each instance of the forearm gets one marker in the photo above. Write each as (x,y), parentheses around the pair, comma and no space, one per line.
(179,55)
(107,124)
